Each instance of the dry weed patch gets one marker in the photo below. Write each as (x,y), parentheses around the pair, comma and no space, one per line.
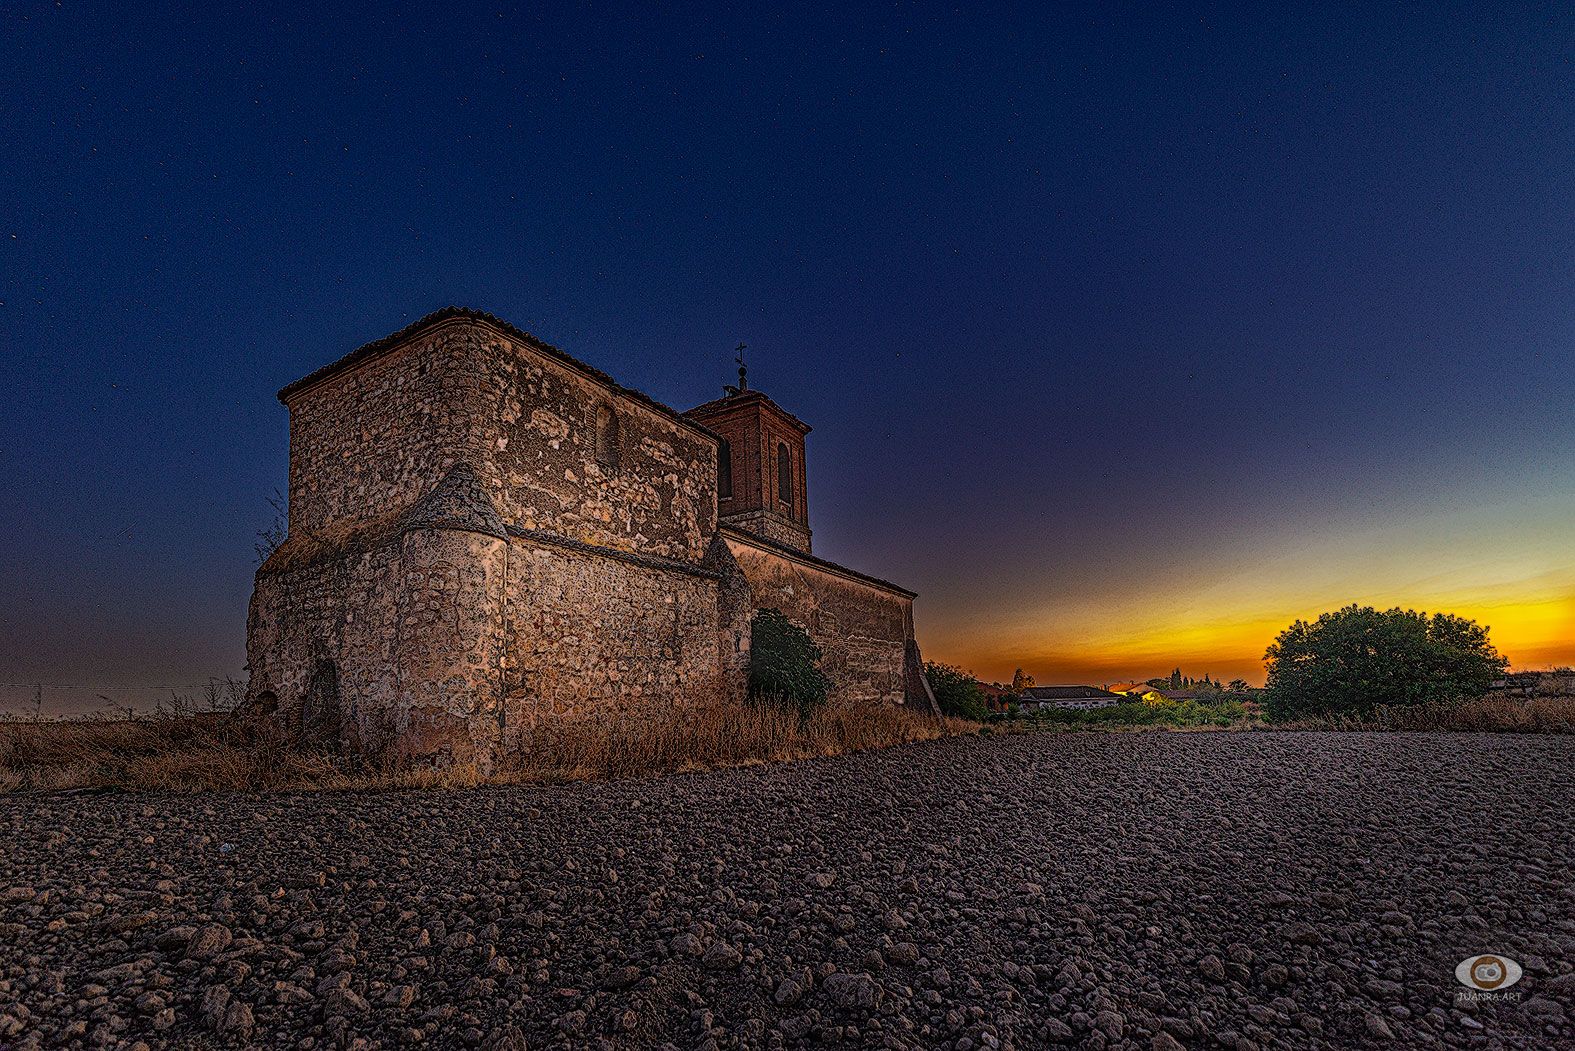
(1488,715)
(188,752)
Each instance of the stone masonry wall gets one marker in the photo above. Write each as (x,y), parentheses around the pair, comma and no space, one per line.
(594,635)
(374,438)
(401,638)
(773,527)
(657,497)
(448,641)
(862,630)
(420,645)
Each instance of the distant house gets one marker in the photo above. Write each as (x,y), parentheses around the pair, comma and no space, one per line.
(1560,682)
(1138,691)
(1039,697)
(995,696)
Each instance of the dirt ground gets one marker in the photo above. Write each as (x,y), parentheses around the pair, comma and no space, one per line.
(1151,890)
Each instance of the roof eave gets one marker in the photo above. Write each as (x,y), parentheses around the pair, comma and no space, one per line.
(814,560)
(744,399)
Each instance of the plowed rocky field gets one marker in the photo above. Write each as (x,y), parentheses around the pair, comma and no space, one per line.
(1151,890)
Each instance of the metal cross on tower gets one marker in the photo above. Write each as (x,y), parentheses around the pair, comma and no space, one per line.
(743,371)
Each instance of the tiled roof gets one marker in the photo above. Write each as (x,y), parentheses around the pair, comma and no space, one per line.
(438,317)
(746,398)
(1068,693)
(803,556)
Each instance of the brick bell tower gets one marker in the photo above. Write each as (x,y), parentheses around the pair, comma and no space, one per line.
(761,486)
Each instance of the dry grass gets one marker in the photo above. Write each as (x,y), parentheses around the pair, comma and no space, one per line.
(198,752)
(160,751)
(1551,715)
(217,752)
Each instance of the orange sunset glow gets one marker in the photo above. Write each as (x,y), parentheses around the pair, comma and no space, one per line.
(1500,560)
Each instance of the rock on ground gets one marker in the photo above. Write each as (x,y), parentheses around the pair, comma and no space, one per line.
(1245,890)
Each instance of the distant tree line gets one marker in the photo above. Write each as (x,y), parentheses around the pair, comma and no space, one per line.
(1352,662)
(1177,681)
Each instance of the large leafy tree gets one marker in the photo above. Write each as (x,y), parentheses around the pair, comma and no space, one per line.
(1356,659)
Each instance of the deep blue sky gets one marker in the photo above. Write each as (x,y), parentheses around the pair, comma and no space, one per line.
(1111,322)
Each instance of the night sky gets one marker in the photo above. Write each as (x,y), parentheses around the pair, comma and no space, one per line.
(1127,336)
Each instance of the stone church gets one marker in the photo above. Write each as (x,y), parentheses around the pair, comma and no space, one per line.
(485,534)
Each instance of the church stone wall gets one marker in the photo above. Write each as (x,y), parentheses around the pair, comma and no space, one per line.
(655,496)
(447,641)
(592,635)
(371,439)
(394,640)
(861,629)
(773,527)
